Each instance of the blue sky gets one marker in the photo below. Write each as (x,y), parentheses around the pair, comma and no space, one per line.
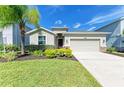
(78,17)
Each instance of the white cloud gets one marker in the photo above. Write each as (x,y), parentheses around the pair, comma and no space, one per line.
(114,14)
(92,28)
(77,25)
(54,8)
(58,22)
(65,25)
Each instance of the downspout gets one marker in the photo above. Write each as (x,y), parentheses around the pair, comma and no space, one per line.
(120,42)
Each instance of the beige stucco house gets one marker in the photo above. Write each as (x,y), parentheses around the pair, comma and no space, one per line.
(60,37)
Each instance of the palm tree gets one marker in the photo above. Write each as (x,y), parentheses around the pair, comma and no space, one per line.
(21,15)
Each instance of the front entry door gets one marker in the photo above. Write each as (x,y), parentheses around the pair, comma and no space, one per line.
(60,43)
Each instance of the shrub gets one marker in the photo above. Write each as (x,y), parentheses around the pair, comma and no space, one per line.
(68,52)
(9,56)
(37,53)
(1,47)
(61,52)
(50,53)
(9,48)
(31,48)
(112,49)
(64,52)
(1,54)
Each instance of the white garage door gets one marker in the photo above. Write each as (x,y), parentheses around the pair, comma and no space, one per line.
(80,45)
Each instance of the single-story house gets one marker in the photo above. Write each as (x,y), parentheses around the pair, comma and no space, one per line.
(60,37)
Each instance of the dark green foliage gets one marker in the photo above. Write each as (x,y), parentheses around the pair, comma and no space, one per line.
(32,48)
(111,50)
(9,48)
(1,47)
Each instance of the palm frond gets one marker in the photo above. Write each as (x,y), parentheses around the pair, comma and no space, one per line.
(32,16)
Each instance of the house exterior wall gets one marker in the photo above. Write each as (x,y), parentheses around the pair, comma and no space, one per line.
(68,37)
(33,39)
(11,35)
(50,38)
(122,34)
(112,39)
(17,35)
(7,35)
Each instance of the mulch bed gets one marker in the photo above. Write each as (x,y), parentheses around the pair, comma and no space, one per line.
(31,57)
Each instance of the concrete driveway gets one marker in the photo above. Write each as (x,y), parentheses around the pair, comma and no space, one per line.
(106,68)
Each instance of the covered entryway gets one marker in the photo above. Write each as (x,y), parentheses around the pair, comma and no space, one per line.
(84,45)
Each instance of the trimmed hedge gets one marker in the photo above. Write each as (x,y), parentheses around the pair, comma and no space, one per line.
(50,53)
(32,48)
(62,52)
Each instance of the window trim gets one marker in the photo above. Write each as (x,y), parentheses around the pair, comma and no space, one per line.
(45,39)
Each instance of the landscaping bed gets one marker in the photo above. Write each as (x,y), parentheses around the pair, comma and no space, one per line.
(30,57)
(121,54)
(114,51)
(12,55)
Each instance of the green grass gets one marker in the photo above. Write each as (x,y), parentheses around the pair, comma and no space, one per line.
(51,72)
(121,54)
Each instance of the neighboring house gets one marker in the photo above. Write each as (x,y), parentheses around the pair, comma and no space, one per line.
(11,35)
(60,37)
(116,38)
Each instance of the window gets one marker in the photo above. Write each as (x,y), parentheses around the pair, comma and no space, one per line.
(41,40)
(103,41)
(122,41)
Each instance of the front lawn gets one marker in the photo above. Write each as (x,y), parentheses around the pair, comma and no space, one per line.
(51,72)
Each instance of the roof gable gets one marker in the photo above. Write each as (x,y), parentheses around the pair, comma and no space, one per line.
(38,29)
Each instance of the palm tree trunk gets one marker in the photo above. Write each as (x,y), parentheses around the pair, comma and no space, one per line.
(22,39)
(22,44)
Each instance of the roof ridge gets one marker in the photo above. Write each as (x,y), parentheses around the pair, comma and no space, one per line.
(115,20)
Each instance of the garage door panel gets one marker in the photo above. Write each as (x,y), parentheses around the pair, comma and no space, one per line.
(84,45)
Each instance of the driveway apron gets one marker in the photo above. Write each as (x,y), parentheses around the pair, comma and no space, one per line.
(106,68)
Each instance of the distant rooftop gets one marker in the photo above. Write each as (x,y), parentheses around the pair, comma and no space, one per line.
(59,28)
(115,20)
(88,32)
